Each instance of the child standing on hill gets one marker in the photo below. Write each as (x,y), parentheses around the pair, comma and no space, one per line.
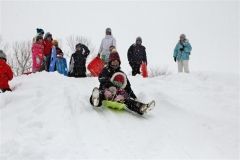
(6,73)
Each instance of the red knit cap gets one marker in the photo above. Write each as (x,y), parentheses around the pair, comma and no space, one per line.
(114,56)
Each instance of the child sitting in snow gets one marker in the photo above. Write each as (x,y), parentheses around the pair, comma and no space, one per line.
(6,73)
(115,86)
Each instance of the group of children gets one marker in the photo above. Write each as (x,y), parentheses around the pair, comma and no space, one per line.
(46,55)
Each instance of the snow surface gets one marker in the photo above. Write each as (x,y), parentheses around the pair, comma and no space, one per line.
(48,117)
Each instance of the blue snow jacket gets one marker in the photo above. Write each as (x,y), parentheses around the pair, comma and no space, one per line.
(182,50)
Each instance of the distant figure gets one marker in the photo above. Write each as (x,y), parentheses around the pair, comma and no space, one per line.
(37,55)
(40,32)
(136,56)
(60,61)
(77,66)
(6,73)
(47,42)
(181,54)
(59,50)
(108,41)
(56,52)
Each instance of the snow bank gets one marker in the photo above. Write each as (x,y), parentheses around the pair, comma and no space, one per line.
(48,117)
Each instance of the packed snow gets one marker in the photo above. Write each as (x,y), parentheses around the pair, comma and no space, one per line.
(48,117)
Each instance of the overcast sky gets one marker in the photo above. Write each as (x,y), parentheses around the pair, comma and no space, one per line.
(212,27)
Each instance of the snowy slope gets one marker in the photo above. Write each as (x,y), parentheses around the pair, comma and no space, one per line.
(48,117)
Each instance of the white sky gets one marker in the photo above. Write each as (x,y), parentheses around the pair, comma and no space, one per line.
(211,26)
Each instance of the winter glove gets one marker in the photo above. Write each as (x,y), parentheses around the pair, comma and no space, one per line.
(181,49)
(113,90)
(119,98)
(108,94)
(123,93)
(175,59)
(98,54)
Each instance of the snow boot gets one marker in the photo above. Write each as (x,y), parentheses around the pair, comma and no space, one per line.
(147,107)
(95,97)
(139,107)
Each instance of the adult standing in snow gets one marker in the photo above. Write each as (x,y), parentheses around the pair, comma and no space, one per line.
(77,66)
(37,54)
(115,86)
(136,56)
(47,43)
(6,73)
(181,53)
(108,41)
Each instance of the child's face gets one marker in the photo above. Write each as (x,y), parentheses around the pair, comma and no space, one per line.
(78,48)
(40,41)
(115,64)
(49,38)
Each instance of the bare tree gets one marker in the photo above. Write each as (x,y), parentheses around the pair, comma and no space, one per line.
(73,40)
(3,46)
(21,58)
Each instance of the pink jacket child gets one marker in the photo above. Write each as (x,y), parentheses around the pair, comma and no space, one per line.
(37,54)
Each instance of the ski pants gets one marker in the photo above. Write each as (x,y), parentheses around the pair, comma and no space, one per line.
(135,68)
(183,64)
(47,62)
(134,106)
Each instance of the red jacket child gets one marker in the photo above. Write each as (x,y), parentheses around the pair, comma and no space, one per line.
(6,73)
(37,54)
(47,42)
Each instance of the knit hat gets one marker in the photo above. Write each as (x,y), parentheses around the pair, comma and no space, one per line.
(48,34)
(183,36)
(78,45)
(108,30)
(38,38)
(40,30)
(55,42)
(3,55)
(114,56)
(139,39)
(119,79)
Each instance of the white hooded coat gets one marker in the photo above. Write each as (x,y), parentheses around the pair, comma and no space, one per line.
(108,41)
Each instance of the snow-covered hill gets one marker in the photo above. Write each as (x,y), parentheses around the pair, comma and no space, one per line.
(48,117)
